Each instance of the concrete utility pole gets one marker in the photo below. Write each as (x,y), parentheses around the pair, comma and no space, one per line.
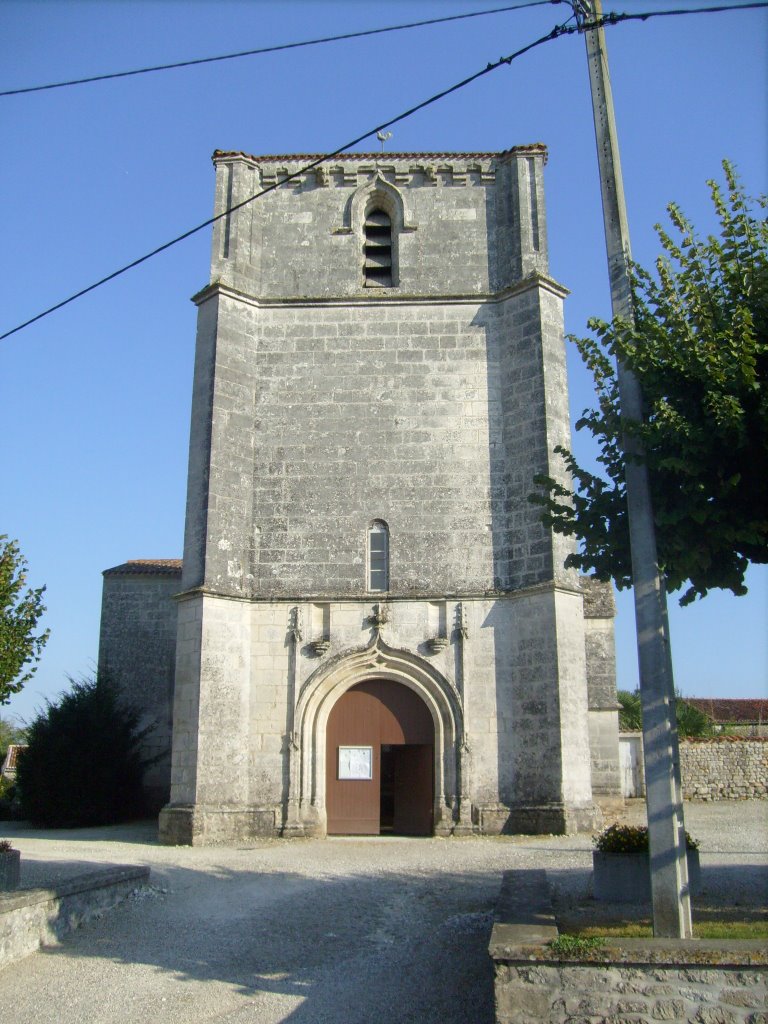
(666,828)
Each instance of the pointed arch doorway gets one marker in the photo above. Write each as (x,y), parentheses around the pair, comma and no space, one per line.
(380,742)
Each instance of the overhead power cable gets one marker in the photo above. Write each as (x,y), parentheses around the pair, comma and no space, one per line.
(281,46)
(557,31)
(612,18)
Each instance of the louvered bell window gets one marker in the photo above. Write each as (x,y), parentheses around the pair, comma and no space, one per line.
(378,250)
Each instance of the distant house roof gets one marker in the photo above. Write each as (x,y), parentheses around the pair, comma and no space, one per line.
(736,711)
(11,762)
(146,567)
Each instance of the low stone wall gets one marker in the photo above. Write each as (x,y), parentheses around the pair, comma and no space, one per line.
(713,768)
(642,981)
(724,768)
(30,918)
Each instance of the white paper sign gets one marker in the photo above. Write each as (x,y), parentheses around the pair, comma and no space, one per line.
(355,762)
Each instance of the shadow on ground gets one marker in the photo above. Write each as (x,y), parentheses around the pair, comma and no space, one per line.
(360,949)
(142,833)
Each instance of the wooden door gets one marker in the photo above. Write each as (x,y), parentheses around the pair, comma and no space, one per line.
(413,790)
(365,717)
(353,803)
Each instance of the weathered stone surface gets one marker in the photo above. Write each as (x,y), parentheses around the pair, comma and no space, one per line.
(727,768)
(137,648)
(30,918)
(718,768)
(668,1009)
(322,404)
(592,991)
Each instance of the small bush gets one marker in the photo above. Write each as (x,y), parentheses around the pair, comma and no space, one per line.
(82,765)
(629,839)
(10,809)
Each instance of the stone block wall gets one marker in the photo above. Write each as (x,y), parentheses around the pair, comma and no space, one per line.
(322,419)
(31,918)
(320,404)
(614,988)
(726,768)
(719,768)
(137,648)
(508,712)
(306,239)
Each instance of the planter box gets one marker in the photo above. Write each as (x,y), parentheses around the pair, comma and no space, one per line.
(10,869)
(626,877)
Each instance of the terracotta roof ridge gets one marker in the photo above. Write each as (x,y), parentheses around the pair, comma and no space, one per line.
(153,561)
(138,566)
(730,708)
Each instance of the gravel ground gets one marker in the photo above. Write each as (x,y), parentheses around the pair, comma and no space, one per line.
(353,931)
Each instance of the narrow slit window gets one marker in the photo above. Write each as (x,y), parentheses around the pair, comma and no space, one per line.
(534,203)
(378,557)
(377,248)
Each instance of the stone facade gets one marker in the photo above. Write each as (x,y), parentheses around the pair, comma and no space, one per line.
(327,402)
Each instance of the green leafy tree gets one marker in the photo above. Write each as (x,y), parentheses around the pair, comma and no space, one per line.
(20,611)
(83,764)
(699,348)
(690,721)
(630,711)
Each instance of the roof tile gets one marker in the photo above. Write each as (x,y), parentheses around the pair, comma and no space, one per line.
(146,567)
(724,709)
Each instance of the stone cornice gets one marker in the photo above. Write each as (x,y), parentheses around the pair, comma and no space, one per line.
(366,599)
(348,170)
(535,280)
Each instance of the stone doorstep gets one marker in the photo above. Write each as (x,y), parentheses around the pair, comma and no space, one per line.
(30,918)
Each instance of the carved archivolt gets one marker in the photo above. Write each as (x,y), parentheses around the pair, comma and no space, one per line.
(376,193)
(376,661)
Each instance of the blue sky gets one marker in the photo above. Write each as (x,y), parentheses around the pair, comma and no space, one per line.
(95,399)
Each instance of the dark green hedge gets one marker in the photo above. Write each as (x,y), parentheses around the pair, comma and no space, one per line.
(83,765)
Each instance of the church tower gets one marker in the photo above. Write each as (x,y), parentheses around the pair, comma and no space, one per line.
(375,631)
